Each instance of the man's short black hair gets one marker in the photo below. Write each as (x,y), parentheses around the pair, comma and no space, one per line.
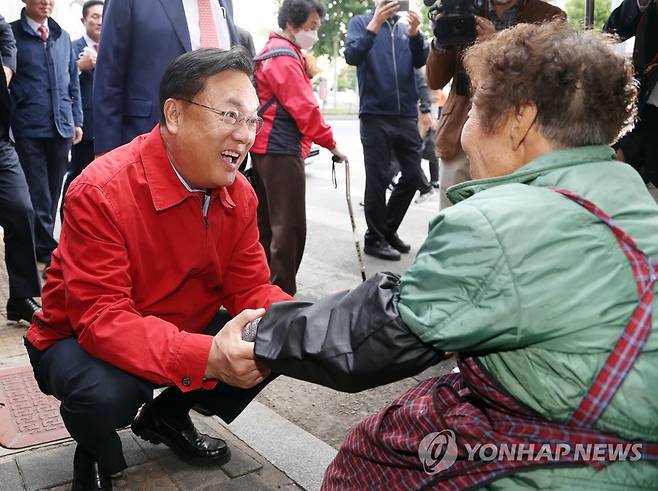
(297,11)
(89,4)
(187,75)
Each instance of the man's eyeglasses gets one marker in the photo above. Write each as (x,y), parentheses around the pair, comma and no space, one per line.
(232,118)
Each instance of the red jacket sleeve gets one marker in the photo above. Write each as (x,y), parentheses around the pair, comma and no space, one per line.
(291,87)
(100,307)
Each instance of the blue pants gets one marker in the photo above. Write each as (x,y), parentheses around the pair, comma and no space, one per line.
(98,398)
(17,221)
(44,162)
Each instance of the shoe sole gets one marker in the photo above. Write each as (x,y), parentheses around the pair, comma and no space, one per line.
(156,439)
(13,317)
(382,256)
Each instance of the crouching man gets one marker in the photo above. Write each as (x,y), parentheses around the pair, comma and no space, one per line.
(160,234)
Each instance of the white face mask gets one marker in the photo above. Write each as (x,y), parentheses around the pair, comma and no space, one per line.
(306,39)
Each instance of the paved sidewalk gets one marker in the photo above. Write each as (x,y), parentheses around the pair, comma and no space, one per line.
(268,452)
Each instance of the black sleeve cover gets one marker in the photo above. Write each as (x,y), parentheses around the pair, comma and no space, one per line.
(350,341)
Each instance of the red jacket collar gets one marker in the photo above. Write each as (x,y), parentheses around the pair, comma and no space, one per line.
(166,189)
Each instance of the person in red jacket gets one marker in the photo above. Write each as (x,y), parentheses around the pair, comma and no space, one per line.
(160,233)
(292,122)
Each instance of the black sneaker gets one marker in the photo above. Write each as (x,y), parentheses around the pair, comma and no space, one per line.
(397,243)
(382,250)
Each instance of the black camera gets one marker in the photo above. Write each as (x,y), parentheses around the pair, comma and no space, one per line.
(456,25)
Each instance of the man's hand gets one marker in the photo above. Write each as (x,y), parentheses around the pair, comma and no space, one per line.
(8,74)
(87,61)
(484,27)
(231,359)
(414,22)
(339,156)
(77,135)
(383,11)
(427,121)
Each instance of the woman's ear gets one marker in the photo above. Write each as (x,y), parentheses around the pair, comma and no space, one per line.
(521,122)
(172,114)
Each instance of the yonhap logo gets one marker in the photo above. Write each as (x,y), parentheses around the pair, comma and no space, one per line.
(438,451)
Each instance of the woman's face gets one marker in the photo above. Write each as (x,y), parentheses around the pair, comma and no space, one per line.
(489,150)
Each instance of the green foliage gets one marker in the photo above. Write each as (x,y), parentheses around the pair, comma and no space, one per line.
(334,25)
(347,78)
(576,12)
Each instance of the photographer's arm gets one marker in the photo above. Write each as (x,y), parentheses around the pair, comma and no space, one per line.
(624,20)
(441,66)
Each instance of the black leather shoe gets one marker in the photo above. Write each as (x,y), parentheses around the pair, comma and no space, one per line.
(382,250)
(179,434)
(86,476)
(22,309)
(397,243)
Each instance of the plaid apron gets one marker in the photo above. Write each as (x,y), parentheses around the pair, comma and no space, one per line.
(382,451)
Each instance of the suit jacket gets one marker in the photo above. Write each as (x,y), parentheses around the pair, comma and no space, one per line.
(45,90)
(86,89)
(8,59)
(627,21)
(140,39)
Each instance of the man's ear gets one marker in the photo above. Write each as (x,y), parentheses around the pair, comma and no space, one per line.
(522,121)
(172,115)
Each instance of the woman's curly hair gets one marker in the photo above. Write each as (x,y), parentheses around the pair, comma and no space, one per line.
(583,89)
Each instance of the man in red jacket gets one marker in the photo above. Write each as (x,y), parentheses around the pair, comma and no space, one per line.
(160,233)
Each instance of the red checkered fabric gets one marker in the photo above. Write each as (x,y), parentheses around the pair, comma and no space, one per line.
(382,450)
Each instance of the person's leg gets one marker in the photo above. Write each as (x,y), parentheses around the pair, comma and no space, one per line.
(58,156)
(17,221)
(96,398)
(407,147)
(377,160)
(452,172)
(32,156)
(81,156)
(284,180)
(430,154)
(263,213)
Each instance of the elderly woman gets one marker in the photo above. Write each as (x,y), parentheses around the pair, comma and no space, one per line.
(541,278)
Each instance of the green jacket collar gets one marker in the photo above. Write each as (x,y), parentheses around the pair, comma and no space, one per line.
(558,159)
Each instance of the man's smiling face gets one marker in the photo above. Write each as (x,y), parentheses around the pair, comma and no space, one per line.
(206,150)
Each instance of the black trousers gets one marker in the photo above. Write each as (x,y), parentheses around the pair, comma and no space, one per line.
(17,222)
(44,162)
(640,146)
(81,156)
(382,138)
(98,398)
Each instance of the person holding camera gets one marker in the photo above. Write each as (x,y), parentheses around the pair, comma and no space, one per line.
(444,64)
(385,52)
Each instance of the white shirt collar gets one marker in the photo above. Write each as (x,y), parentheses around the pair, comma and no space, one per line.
(90,42)
(35,25)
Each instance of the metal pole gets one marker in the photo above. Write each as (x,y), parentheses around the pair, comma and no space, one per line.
(589,14)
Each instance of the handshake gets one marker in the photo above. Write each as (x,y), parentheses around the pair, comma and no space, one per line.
(351,341)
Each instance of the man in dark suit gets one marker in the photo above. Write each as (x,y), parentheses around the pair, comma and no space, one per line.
(140,39)
(85,50)
(16,213)
(47,115)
